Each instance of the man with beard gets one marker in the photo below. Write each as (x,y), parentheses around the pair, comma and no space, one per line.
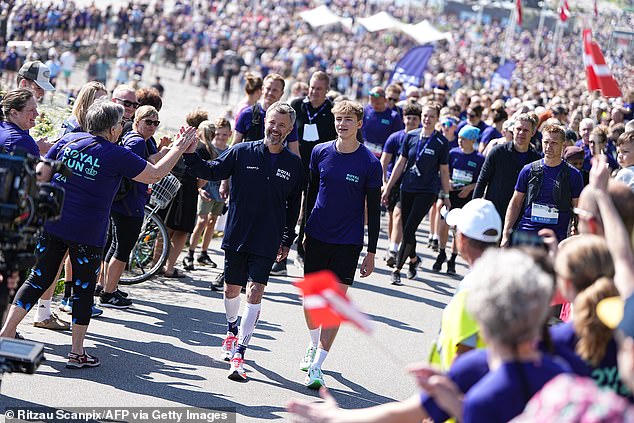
(264,173)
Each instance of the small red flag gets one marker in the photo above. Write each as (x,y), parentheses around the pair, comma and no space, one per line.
(598,74)
(327,305)
(518,5)
(596,9)
(564,11)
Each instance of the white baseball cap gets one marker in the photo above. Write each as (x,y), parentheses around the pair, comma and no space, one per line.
(478,220)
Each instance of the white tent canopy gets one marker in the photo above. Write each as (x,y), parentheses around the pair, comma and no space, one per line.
(423,32)
(321,16)
(379,22)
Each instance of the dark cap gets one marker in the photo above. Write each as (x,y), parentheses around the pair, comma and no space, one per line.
(573,153)
(37,72)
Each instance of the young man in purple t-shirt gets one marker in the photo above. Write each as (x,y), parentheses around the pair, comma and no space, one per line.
(542,209)
(344,175)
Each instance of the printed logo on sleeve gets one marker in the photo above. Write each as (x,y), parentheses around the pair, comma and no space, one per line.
(284,174)
(253,168)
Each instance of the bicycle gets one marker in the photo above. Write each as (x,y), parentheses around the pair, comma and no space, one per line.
(153,244)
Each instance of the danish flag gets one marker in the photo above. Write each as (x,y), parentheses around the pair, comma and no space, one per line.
(518,6)
(598,74)
(564,11)
(327,305)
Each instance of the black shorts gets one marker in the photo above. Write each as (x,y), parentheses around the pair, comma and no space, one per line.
(394,199)
(457,202)
(341,259)
(242,267)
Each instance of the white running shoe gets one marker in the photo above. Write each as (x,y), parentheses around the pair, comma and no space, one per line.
(304,365)
(315,378)
(229,346)
(237,371)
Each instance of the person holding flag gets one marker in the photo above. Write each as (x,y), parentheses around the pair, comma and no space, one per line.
(344,176)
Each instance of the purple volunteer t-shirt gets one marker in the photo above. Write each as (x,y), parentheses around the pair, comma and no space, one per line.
(133,204)
(464,168)
(393,146)
(377,126)
(90,190)
(12,138)
(503,393)
(545,198)
(339,211)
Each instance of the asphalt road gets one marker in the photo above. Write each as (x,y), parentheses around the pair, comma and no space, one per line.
(165,351)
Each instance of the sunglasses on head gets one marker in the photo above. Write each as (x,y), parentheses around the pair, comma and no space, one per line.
(127,103)
(376,95)
(151,122)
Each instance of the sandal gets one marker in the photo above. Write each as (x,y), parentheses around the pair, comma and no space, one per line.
(78,361)
(174,275)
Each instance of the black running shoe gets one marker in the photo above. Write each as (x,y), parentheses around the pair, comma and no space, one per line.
(442,256)
(411,271)
(396,278)
(188,263)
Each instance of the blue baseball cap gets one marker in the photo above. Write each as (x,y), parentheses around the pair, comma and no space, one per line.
(469,132)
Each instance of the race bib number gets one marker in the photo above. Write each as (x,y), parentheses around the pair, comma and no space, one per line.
(310,132)
(541,213)
(460,178)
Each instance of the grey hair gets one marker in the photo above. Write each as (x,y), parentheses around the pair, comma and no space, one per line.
(509,296)
(587,121)
(283,109)
(103,115)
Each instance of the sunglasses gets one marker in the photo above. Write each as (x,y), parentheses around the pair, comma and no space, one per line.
(151,122)
(394,100)
(122,123)
(447,124)
(472,115)
(127,103)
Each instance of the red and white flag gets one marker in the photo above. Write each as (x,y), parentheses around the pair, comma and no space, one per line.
(518,6)
(564,11)
(598,73)
(327,305)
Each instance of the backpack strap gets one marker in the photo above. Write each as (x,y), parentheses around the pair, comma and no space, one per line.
(561,189)
(535,180)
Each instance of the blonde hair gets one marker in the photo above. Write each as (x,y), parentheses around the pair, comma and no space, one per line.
(584,259)
(347,107)
(144,112)
(206,131)
(85,99)
(593,335)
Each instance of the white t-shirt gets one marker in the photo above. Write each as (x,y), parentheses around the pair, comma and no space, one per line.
(67,59)
(626,175)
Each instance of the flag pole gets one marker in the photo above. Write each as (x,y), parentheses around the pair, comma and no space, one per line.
(510,29)
(540,27)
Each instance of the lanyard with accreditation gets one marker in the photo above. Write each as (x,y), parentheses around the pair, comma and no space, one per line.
(420,150)
(310,128)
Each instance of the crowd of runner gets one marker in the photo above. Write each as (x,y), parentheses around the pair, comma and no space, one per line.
(541,163)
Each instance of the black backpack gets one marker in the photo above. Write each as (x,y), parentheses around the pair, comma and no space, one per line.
(561,188)
(255,131)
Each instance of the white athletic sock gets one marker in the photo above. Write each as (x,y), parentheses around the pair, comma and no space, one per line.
(314,337)
(435,236)
(250,317)
(232,308)
(320,356)
(393,247)
(43,311)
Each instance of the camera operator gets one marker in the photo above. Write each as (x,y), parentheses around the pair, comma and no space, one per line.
(19,110)
(97,165)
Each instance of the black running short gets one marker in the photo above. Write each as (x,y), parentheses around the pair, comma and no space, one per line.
(341,259)
(242,267)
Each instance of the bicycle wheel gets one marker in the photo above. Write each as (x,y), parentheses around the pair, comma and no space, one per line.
(150,251)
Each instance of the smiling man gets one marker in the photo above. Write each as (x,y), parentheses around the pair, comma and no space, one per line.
(545,192)
(344,176)
(263,209)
